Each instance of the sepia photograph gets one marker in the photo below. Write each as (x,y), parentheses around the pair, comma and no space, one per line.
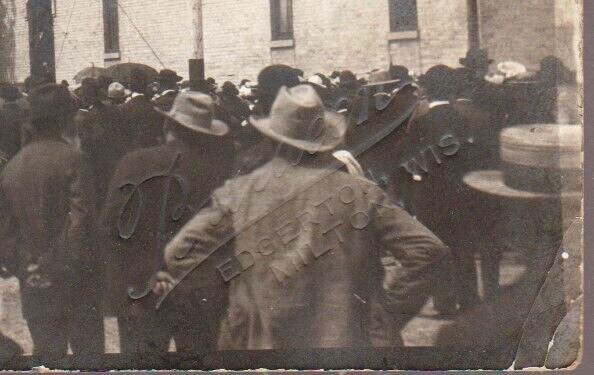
(291,184)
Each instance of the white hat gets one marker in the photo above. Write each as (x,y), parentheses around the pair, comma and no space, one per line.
(316,80)
(511,69)
(117,91)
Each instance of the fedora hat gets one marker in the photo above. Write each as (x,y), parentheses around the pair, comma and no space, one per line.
(298,118)
(51,100)
(195,111)
(540,161)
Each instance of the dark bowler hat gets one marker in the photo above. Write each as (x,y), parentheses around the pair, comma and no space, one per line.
(167,75)
(273,77)
(51,100)
(437,75)
(298,118)
(476,57)
(195,111)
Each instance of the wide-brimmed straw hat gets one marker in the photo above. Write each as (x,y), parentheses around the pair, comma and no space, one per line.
(298,118)
(195,111)
(540,161)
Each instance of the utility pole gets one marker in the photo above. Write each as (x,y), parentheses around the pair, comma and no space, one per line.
(474,40)
(196,64)
(42,54)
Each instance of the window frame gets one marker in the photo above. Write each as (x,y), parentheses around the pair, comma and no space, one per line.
(394,16)
(111,27)
(275,21)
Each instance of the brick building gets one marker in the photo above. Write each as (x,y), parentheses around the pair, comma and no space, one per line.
(238,38)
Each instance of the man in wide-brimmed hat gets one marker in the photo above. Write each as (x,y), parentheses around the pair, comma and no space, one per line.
(46,230)
(170,181)
(302,233)
(255,149)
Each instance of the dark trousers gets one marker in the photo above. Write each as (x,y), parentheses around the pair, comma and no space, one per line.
(458,283)
(85,334)
(194,329)
(143,334)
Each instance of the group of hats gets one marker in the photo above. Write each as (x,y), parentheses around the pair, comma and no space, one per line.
(297,117)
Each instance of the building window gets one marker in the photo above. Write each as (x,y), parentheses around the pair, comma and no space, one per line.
(281,13)
(111,33)
(403,15)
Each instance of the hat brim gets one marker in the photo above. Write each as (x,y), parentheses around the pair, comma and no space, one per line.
(335,127)
(492,182)
(217,128)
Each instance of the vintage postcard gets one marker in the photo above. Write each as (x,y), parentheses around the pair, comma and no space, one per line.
(291,184)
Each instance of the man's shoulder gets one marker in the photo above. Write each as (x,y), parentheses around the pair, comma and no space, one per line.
(147,161)
(343,180)
(298,180)
(137,101)
(153,155)
(60,147)
(42,154)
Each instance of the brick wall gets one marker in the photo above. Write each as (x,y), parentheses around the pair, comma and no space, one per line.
(522,31)
(78,36)
(236,38)
(443,28)
(167,26)
(329,35)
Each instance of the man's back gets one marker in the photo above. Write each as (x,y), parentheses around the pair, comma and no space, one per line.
(36,184)
(11,116)
(46,221)
(143,124)
(308,243)
(154,191)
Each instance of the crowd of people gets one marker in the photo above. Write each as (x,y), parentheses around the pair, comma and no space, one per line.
(253,216)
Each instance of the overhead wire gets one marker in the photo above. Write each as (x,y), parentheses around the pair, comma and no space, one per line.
(120,6)
(66,35)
